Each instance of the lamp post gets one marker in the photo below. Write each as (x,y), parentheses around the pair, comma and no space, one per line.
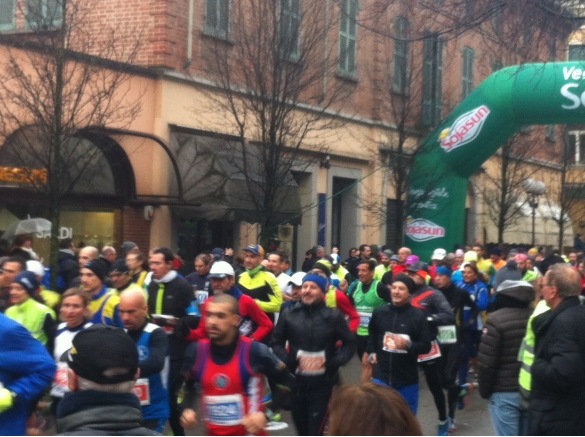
(534,189)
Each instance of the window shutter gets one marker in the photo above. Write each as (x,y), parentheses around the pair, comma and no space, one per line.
(54,12)
(34,13)
(343,28)
(211,18)
(427,79)
(439,82)
(224,18)
(295,25)
(6,14)
(351,37)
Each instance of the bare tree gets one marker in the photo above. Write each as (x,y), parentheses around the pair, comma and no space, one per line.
(277,94)
(58,80)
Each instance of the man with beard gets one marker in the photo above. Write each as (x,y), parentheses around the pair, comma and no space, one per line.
(229,369)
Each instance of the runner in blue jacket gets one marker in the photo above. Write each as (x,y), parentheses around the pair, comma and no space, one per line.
(26,369)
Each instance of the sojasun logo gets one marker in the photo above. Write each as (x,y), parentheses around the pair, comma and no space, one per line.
(465,129)
(423,230)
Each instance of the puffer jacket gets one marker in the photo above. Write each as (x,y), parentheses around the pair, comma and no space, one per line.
(502,337)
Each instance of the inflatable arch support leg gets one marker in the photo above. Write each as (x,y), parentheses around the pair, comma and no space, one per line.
(547,93)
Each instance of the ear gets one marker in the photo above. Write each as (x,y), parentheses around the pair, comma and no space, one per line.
(235,320)
(137,374)
(72,381)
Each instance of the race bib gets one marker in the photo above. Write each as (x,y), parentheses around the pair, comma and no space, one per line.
(435,352)
(142,390)
(167,323)
(60,379)
(447,334)
(365,319)
(311,363)
(201,296)
(388,343)
(226,410)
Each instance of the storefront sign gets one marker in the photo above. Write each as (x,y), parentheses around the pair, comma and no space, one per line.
(23,175)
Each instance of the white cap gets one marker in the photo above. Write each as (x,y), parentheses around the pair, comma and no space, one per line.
(439,254)
(221,269)
(297,279)
(36,267)
(335,258)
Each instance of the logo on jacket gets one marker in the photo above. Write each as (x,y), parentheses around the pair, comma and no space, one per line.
(221,380)
(422,230)
(465,129)
(143,353)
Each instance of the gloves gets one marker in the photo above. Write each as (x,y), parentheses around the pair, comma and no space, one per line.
(6,400)
(182,328)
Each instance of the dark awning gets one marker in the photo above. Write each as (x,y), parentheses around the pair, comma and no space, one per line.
(216,188)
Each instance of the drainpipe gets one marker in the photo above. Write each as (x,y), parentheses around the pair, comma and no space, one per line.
(189,36)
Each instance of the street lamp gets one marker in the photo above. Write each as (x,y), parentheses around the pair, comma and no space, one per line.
(534,189)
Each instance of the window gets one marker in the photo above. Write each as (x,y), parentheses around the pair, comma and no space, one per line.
(44,14)
(550,132)
(576,52)
(347,34)
(290,21)
(217,18)
(575,153)
(7,11)
(467,72)
(400,82)
(432,99)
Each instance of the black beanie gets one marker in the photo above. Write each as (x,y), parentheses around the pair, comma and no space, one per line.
(98,268)
(406,280)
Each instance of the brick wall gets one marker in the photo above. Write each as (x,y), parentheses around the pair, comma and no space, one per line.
(136,228)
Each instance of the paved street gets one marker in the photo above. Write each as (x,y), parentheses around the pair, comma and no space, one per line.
(474,420)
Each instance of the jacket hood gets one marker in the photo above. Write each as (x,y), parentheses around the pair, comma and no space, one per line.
(519,290)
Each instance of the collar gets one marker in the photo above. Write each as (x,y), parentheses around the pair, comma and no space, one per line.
(235,292)
(128,284)
(166,278)
(253,272)
(74,402)
(27,304)
(100,293)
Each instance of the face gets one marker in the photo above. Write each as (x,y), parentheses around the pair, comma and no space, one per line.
(458,260)
(111,257)
(11,269)
(393,263)
(403,254)
(296,292)
(72,311)
(252,260)
(220,323)
(335,250)
(119,280)
(477,249)
(367,253)
(365,275)
(222,285)
(549,292)
(582,268)
(522,264)
(494,258)
(18,294)
(201,267)
(400,294)
(311,293)
(85,255)
(353,253)
(275,264)
(418,280)
(469,275)
(158,266)
(573,258)
(386,260)
(441,280)
(132,312)
(132,261)
(90,281)
(320,253)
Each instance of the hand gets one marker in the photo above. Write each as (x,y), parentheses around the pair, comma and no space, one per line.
(254,422)
(188,418)
(6,400)
(228,251)
(182,328)
(373,359)
(344,286)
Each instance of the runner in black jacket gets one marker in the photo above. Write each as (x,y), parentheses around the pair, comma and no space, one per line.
(394,355)
(312,331)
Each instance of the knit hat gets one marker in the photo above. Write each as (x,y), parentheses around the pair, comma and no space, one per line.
(324,266)
(100,348)
(496,251)
(217,253)
(459,253)
(321,282)
(119,266)
(444,270)
(28,281)
(406,280)
(510,272)
(98,268)
(395,258)
(388,253)
(127,246)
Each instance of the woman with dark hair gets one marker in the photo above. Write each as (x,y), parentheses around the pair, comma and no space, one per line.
(22,247)
(480,295)
(370,409)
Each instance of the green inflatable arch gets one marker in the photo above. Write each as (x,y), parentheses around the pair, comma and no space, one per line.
(548,93)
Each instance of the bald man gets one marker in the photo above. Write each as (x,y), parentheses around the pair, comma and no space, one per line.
(87,254)
(153,354)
